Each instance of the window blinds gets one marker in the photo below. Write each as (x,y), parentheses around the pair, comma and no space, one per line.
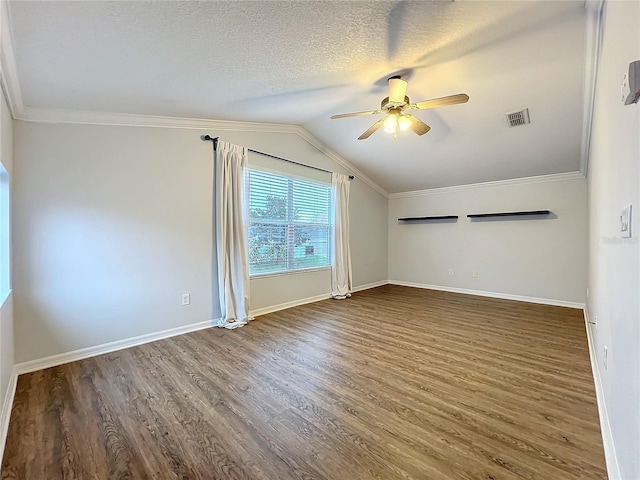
(289,223)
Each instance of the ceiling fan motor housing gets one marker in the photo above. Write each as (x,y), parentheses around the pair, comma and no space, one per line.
(387,105)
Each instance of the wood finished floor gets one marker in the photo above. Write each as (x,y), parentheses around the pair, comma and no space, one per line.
(395,383)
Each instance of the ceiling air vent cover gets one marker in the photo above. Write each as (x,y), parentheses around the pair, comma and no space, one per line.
(521,117)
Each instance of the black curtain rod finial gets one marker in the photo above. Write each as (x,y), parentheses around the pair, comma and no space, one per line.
(206,138)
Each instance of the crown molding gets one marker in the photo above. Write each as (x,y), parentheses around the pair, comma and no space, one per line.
(8,69)
(554,177)
(85,117)
(593,46)
(12,91)
(11,86)
(60,116)
(341,161)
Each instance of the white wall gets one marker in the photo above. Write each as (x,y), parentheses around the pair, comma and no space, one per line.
(537,258)
(6,304)
(614,263)
(112,224)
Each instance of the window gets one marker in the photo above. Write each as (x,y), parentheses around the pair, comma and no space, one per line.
(289,223)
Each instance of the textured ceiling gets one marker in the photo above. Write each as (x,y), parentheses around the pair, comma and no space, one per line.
(300,62)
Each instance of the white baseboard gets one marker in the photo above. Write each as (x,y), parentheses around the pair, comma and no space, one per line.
(367,286)
(613,468)
(294,303)
(7,405)
(54,360)
(75,355)
(482,293)
(316,298)
(61,358)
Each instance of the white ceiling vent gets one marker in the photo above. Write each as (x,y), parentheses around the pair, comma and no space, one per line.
(521,117)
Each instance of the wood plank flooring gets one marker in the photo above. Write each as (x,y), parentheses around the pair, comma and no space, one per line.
(394,383)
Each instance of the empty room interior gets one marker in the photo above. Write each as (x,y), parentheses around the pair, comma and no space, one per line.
(320,240)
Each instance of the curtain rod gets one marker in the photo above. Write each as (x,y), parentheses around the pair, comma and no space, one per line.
(215,146)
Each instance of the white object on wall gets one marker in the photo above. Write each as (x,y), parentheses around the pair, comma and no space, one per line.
(631,84)
(625,222)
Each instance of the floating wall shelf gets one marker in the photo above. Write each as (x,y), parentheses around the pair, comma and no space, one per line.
(509,214)
(417,219)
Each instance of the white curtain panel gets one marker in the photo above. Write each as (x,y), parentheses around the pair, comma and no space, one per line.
(231,225)
(341,282)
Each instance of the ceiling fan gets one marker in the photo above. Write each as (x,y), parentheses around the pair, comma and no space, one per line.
(395,106)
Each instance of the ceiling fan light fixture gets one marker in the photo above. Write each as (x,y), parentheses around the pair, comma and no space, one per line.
(404,122)
(391,123)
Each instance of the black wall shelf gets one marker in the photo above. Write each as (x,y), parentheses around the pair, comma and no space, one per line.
(509,214)
(438,217)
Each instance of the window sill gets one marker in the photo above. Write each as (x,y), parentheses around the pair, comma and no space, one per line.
(288,272)
(4,297)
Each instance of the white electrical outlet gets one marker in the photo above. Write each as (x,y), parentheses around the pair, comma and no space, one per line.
(587,293)
(474,274)
(606,357)
(451,271)
(186,299)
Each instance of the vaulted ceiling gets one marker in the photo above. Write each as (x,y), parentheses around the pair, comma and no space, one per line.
(300,62)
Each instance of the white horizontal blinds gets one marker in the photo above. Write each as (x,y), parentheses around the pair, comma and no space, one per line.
(311,220)
(289,223)
(268,199)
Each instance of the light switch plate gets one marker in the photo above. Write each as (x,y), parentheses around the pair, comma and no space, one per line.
(625,222)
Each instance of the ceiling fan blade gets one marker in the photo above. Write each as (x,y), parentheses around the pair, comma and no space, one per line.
(356,114)
(440,102)
(397,89)
(372,129)
(418,125)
